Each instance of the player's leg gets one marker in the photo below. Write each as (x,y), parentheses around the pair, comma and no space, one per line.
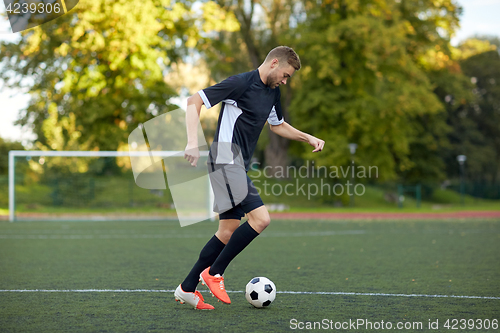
(210,252)
(258,220)
(226,229)
(186,292)
(240,239)
(229,220)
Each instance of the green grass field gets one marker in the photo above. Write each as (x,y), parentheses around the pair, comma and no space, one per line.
(398,257)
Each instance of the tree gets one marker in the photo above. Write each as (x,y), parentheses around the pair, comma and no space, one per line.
(484,115)
(429,26)
(5,147)
(264,24)
(360,84)
(423,26)
(470,108)
(454,90)
(97,72)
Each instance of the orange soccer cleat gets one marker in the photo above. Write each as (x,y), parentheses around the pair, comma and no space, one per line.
(215,284)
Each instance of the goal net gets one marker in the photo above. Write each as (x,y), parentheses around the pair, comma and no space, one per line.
(97,185)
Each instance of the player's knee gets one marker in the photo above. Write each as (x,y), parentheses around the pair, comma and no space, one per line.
(262,223)
(224,235)
(266,221)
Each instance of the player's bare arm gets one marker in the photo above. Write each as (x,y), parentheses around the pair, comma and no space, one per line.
(192,153)
(289,132)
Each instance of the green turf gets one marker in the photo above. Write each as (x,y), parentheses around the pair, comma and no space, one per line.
(397,257)
(119,194)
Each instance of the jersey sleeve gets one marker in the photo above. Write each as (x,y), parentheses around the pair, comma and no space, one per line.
(231,88)
(276,116)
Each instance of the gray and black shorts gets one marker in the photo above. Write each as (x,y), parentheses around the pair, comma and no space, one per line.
(235,194)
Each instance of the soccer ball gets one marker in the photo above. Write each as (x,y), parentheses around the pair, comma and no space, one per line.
(260,292)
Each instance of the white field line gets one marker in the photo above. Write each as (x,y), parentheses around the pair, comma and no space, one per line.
(238,291)
(174,235)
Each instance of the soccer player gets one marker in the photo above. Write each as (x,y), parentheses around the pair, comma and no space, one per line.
(248,101)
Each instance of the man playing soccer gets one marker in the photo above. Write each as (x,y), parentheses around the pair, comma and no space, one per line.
(249,100)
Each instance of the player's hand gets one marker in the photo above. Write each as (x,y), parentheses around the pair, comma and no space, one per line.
(318,144)
(192,154)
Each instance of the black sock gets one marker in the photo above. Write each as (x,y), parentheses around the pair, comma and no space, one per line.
(240,238)
(208,254)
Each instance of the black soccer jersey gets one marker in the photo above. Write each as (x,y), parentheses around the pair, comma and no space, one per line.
(247,103)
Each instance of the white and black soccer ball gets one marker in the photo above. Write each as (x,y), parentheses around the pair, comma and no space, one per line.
(260,292)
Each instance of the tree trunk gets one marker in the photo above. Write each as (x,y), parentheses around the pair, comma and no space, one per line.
(276,153)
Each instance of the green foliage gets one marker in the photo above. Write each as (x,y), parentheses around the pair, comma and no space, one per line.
(429,25)
(482,143)
(359,84)
(472,46)
(362,59)
(471,122)
(5,147)
(97,72)
(381,74)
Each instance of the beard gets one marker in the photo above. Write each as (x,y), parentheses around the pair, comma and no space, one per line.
(272,80)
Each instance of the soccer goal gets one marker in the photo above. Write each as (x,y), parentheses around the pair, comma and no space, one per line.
(99,186)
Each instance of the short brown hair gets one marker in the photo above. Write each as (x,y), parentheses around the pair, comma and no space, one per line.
(284,54)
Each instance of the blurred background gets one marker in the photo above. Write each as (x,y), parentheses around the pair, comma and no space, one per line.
(412,84)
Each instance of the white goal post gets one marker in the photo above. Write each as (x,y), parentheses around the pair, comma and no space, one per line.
(13,154)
